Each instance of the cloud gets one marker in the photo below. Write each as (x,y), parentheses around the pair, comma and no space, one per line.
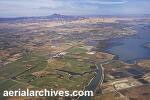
(81,6)
(107,2)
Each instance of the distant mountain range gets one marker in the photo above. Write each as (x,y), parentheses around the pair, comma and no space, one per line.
(69,17)
(59,16)
(121,16)
(51,17)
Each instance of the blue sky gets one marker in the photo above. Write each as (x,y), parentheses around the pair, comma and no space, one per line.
(19,8)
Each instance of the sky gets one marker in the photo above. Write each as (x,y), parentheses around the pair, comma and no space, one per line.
(23,8)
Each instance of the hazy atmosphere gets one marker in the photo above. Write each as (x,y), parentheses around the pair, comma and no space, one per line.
(19,8)
(74,49)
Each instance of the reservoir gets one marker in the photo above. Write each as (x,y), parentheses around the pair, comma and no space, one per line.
(131,48)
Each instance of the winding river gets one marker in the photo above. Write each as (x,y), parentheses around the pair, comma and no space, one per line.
(98,79)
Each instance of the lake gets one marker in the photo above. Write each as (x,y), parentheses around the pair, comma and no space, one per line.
(131,48)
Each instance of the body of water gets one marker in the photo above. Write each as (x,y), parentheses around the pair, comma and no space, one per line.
(130,49)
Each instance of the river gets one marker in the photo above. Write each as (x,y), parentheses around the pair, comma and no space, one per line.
(98,79)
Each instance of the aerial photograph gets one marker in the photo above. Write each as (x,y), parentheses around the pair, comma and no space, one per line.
(74,49)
